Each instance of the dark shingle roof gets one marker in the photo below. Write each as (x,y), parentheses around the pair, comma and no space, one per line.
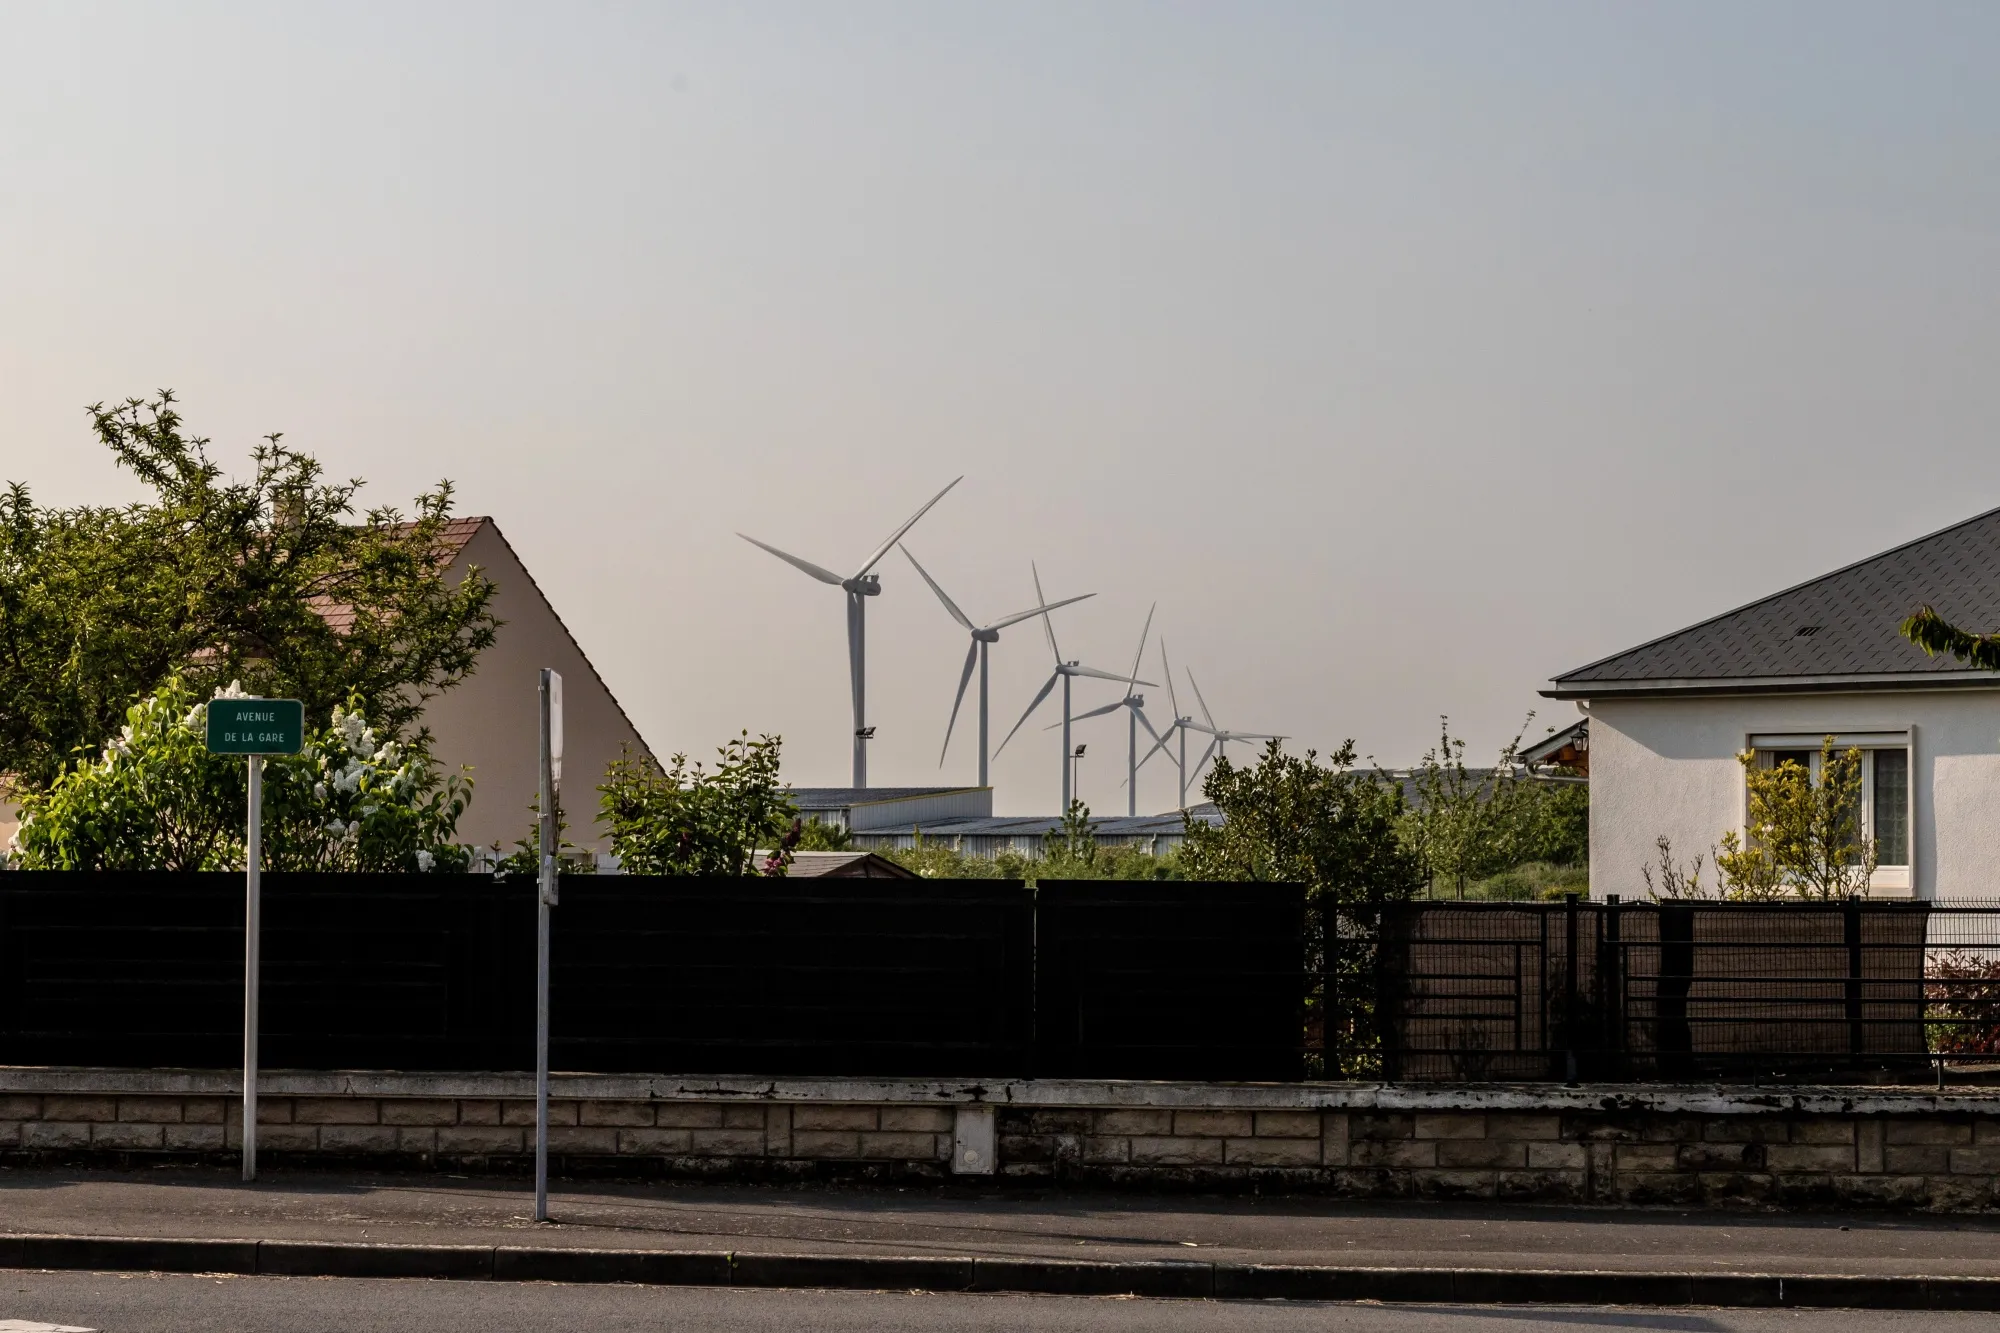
(1842,624)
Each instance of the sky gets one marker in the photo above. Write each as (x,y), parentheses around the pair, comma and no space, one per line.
(1404,354)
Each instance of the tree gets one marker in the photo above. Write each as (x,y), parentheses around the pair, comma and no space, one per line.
(1934,634)
(1801,837)
(1334,830)
(268,581)
(156,799)
(685,820)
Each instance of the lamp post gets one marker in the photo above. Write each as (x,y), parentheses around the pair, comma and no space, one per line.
(1076,778)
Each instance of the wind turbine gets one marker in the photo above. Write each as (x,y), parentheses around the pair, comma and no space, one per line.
(859,588)
(1064,672)
(1135,705)
(1182,725)
(1219,744)
(982,635)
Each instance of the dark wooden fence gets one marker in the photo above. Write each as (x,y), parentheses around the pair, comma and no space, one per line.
(876,977)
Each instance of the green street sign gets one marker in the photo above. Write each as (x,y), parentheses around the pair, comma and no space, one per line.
(256,726)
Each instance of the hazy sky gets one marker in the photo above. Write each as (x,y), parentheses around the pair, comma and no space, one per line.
(1406,353)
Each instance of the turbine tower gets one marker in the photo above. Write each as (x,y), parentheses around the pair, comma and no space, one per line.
(1135,705)
(862,585)
(1064,672)
(982,635)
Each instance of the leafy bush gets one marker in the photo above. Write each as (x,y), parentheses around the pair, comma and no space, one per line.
(156,799)
(686,820)
(1962,990)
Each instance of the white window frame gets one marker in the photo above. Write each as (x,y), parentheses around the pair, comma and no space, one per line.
(1897,881)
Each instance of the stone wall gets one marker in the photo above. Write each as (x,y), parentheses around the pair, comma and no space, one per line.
(1527,1143)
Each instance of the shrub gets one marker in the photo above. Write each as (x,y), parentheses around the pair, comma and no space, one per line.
(156,799)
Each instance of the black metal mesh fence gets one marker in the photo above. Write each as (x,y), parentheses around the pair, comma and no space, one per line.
(1854,991)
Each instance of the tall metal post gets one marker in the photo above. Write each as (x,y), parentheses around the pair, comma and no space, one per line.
(545,897)
(253,914)
(982,713)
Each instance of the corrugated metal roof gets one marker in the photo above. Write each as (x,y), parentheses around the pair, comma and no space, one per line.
(840,798)
(1843,624)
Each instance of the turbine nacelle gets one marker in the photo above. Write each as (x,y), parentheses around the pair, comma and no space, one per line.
(867,585)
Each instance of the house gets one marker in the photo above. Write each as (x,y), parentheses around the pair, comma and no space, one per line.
(1667,719)
(845,865)
(490,721)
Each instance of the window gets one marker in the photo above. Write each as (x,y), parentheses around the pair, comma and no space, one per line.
(1885,789)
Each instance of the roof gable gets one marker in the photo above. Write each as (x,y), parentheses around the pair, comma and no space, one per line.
(1843,624)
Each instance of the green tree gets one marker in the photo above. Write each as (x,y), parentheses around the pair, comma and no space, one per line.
(1804,837)
(687,820)
(156,799)
(270,581)
(1336,831)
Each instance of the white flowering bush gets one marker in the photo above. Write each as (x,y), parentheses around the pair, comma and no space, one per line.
(156,799)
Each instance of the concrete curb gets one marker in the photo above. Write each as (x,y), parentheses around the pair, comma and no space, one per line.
(1190,1280)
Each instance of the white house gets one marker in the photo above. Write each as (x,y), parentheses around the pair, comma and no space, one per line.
(1667,719)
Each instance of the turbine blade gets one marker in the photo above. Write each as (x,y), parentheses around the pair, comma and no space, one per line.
(964,678)
(1047,685)
(1041,608)
(1168,672)
(1095,674)
(1193,725)
(1033,611)
(949,605)
(897,535)
(1142,641)
(1146,722)
(1160,743)
(1204,758)
(1206,715)
(1098,712)
(823,575)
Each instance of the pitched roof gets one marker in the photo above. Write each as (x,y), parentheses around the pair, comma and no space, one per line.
(1840,630)
(452,537)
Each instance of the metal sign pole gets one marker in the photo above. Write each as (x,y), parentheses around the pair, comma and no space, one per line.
(545,898)
(252,931)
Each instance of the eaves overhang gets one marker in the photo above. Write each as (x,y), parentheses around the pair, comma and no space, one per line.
(1830,684)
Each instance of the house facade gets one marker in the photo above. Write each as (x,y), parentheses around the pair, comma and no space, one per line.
(490,722)
(1668,719)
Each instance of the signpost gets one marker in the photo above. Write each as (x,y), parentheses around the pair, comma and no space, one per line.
(255,728)
(549,806)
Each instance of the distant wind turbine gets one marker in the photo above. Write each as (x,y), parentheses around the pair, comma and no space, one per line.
(1064,672)
(859,588)
(1182,725)
(982,635)
(1135,705)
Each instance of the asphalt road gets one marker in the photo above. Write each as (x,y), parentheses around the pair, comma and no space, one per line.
(160,1303)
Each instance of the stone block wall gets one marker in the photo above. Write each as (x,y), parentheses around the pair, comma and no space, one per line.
(1682,1147)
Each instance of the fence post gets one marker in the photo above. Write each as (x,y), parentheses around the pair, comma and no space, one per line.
(1569,987)
(1857,1037)
(1611,986)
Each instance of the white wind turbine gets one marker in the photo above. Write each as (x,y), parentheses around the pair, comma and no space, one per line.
(859,588)
(1135,705)
(982,635)
(1182,725)
(1064,672)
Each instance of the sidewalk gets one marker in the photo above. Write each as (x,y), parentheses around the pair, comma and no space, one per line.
(734,1225)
